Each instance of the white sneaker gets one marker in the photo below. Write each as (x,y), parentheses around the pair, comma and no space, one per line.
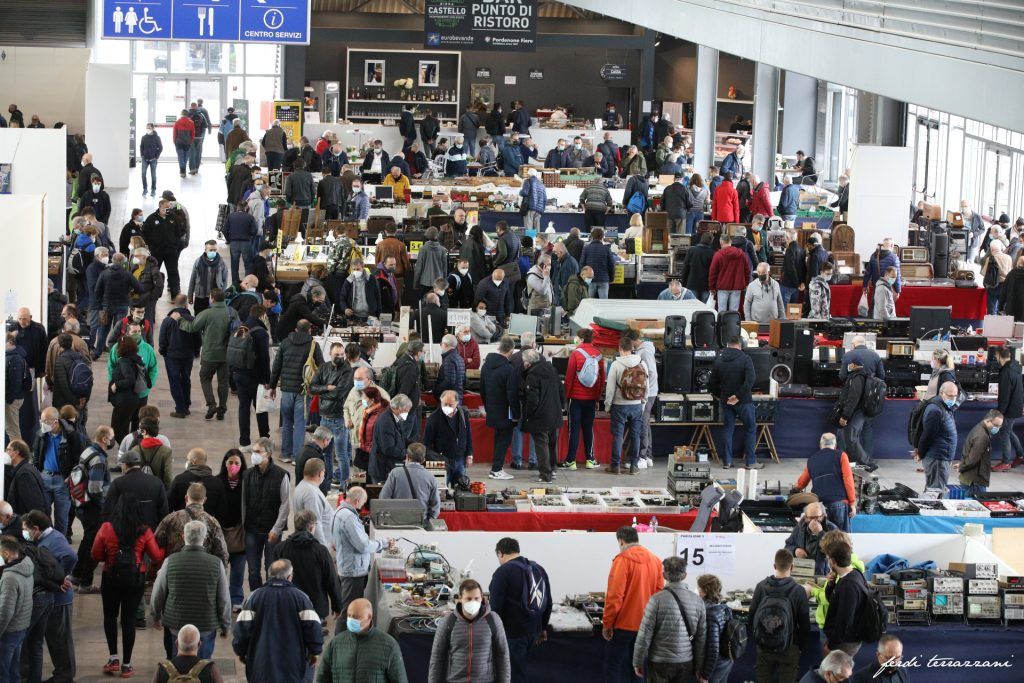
(650,462)
(500,474)
(246,449)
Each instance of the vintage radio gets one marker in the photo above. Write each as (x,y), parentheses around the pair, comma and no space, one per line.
(843,238)
(847,262)
(1016,599)
(915,604)
(947,603)
(947,584)
(983,606)
(701,408)
(912,255)
(900,349)
(955,219)
(690,469)
(982,586)
(671,408)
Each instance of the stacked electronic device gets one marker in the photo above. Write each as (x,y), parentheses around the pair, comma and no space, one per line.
(686,477)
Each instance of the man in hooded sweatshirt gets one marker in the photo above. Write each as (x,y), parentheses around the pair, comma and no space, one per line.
(15,606)
(634,577)
(732,378)
(626,410)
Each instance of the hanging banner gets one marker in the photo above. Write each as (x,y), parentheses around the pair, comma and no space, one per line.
(502,25)
(132,123)
(234,21)
(289,113)
(242,112)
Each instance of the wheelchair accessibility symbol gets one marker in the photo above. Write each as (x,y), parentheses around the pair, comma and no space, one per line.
(273,19)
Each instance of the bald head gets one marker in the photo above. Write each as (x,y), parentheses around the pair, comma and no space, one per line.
(250,282)
(196,456)
(859,340)
(814,510)
(949,391)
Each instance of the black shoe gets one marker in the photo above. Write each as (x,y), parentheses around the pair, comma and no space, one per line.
(517,466)
(220,413)
(210,413)
(179,415)
(532,466)
(115,468)
(871,468)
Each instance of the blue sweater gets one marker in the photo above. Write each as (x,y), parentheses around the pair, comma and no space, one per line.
(938,434)
(535,194)
(880,262)
(789,200)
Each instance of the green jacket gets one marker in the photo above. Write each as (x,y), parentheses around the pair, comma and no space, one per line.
(148,356)
(818,593)
(576,290)
(214,325)
(369,657)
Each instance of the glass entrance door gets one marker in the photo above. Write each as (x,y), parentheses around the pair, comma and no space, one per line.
(209,91)
(170,95)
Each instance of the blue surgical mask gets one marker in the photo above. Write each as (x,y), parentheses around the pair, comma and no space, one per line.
(949,403)
(993,430)
(891,280)
(353,625)
(26,535)
(211,255)
(359,384)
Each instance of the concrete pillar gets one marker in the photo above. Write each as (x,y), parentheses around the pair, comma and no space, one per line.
(800,114)
(880,120)
(705,109)
(766,120)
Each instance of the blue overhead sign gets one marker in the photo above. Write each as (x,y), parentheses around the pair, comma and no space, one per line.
(222,21)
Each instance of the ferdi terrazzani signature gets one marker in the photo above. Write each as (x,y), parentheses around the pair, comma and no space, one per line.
(937,662)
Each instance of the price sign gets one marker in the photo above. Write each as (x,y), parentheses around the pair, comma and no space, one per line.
(706,553)
(458,316)
(414,247)
(619,277)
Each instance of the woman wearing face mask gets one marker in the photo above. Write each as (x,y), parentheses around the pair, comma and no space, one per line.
(467,347)
(942,371)
(131,229)
(454,657)
(150,149)
(885,296)
(481,326)
(232,467)
(473,251)
(373,406)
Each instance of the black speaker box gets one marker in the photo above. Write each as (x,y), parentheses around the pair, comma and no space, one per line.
(677,371)
(927,321)
(728,326)
(762,358)
(675,332)
(702,329)
(940,253)
(703,362)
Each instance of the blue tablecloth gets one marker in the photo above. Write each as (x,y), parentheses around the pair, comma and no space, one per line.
(922,524)
(564,222)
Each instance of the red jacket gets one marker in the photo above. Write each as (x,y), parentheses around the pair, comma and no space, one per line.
(185,124)
(573,388)
(104,548)
(730,269)
(761,201)
(470,352)
(725,207)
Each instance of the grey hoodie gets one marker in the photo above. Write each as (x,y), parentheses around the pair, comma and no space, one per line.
(646,353)
(698,196)
(16,596)
(612,395)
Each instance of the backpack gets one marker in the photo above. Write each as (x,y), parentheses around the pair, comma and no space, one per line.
(636,203)
(387,379)
(309,368)
(872,617)
(126,571)
(76,262)
(233,321)
(190,676)
(915,426)
(633,383)
(873,399)
(991,273)
(78,480)
(241,350)
(141,380)
(734,643)
(773,622)
(591,370)
(147,462)
(80,378)
(535,590)
(47,572)
(26,381)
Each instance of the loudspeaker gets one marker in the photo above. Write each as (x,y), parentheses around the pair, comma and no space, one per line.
(728,326)
(927,321)
(702,329)
(803,343)
(703,363)
(940,252)
(762,358)
(782,374)
(677,371)
(675,332)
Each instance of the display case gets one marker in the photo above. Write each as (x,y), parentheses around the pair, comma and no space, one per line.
(379,83)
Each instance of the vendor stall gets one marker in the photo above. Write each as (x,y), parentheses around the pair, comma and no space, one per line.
(967,303)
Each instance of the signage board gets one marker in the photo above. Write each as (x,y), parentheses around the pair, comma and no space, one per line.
(132,123)
(222,21)
(289,113)
(536,74)
(707,553)
(500,25)
(242,112)
(613,72)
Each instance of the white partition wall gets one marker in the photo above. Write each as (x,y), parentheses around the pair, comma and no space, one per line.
(23,264)
(46,81)
(108,87)
(37,167)
(881,180)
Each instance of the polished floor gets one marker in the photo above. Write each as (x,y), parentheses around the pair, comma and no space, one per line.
(201,194)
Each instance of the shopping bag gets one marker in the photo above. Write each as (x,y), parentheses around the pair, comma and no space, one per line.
(862,307)
(264,403)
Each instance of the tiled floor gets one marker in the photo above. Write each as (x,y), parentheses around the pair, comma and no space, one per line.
(201,194)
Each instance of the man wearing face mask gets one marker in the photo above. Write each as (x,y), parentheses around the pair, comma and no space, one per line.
(936,447)
(497,294)
(762,301)
(209,272)
(362,651)
(55,451)
(886,668)
(25,488)
(136,315)
(161,232)
(150,149)
(975,466)
(375,163)
(332,383)
(97,198)
(357,205)
(451,375)
(354,548)
(576,156)
(394,430)
(453,657)
(885,295)
(88,506)
(557,157)
(266,489)
(359,298)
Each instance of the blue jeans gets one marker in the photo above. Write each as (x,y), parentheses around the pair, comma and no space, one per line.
(517,448)
(693,216)
(101,331)
(728,300)
(179,380)
(618,657)
(789,294)
(183,153)
(293,423)
(471,145)
(57,496)
(257,547)
(237,564)
(207,641)
(839,514)
(10,655)
(745,412)
(455,468)
(149,165)
(195,153)
(581,419)
(786,217)
(973,490)
(340,449)
(599,290)
(623,417)
(720,674)
(1009,444)
(240,250)
(519,654)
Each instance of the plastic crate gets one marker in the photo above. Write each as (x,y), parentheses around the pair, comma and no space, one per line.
(562,503)
(578,506)
(624,504)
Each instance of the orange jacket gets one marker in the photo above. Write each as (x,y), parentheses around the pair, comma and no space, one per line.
(634,577)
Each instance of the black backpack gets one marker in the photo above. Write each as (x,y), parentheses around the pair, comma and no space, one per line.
(126,570)
(916,423)
(732,642)
(47,572)
(872,617)
(873,399)
(80,378)
(991,274)
(241,350)
(773,622)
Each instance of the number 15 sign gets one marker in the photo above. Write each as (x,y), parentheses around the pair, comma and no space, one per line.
(706,553)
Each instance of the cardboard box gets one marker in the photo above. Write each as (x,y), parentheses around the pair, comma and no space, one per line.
(638,324)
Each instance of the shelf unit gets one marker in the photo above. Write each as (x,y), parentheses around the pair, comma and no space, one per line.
(400,64)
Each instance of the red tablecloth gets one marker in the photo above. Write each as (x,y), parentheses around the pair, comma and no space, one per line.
(968,304)
(553,521)
(483,440)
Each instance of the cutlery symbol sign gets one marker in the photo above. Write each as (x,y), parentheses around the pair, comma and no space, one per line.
(205,15)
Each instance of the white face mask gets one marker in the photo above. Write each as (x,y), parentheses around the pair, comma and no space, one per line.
(497,283)
(463,271)
(96,188)
(257,459)
(403,416)
(448,410)
(5,458)
(465,338)
(104,260)
(357,189)
(471,608)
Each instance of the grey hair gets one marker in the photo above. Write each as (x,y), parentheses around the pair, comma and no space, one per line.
(101,251)
(195,532)
(450,341)
(317,291)
(543,259)
(451,393)
(828,440)
(188,638)
(528,340)
(281,569)
(400,402)
(836,662)
(506,344)
(531,356)
(356,493)
(321,433)
(305,520)
(72,326)
(266,444)
(143,251)
(674,568)
(79,222)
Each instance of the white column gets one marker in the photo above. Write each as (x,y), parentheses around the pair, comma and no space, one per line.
(705,109)
(766,121)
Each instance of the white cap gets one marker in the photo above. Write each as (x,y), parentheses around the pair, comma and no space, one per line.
(531,172)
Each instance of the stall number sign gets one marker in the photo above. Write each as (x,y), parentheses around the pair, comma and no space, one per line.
(414,247)
(706,553)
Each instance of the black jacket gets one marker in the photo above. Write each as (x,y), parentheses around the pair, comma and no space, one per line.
(62,393)
(291,356)
(1013,294)
(390,439)
(451,374)
(149,491)
(260,372)
(429,129)
(25,492)
(72,443)
(844,599)
(33,341)
(407,126)
(240,226)
(298,309)
(797,597)
(432,322)
(261,269)
(499,300)
(161,234)
(852,394)
(697,266)
(733,375)
(310,450)
(675,201)
(794,266)
(85,178)
(499,389)
(346,298)
(494,124)
(448,438)
(124,381)
(574,245)
(542,395)
(867,359)
(315,573)
(407,379)
(175,343)
(99,201)
(201,474)
(1011,390)
(332,403)
(330,191)
(239,176)
(114,286)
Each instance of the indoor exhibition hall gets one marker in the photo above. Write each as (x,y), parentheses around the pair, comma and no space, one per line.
(529,341)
